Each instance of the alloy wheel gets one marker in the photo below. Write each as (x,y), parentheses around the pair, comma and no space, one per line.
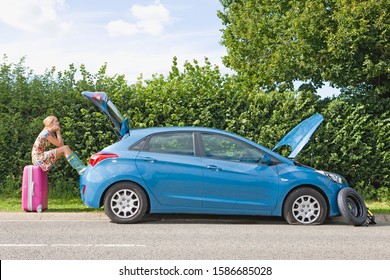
(306,209)
(125,203)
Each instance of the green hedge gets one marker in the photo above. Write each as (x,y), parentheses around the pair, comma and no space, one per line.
(353,140)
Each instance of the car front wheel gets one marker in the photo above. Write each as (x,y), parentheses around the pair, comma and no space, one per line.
(125,203)
(305,206)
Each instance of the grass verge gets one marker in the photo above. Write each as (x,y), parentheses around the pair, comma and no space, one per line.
(55,205)
(378,207)
(74,204)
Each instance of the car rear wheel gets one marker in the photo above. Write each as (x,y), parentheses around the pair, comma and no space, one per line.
(305,206)
(125,203)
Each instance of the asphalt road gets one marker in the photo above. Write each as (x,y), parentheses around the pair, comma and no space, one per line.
(91,236)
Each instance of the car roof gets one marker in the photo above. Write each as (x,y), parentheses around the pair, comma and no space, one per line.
(143,132)
(152,130)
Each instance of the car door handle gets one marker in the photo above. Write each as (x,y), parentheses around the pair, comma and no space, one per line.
(214,168)
(148,159)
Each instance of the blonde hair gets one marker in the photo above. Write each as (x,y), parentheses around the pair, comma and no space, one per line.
(48,121)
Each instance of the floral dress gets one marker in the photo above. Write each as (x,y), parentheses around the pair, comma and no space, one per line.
(40,157)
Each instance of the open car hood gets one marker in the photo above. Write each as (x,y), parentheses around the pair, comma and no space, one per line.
(297,138)
(103,102)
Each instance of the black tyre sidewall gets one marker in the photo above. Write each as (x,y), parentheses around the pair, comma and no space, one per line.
(287,207)
(342,201)
(125,186)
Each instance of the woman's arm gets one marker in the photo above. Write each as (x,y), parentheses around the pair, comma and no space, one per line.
(59,137)
(56,141)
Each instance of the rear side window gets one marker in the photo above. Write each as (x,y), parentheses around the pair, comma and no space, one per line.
(138,146)
(178,143)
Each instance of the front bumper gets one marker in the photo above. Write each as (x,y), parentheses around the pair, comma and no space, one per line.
(333,204)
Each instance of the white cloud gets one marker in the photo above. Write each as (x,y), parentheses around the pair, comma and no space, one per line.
(150,19)
(121,27)
(33,15)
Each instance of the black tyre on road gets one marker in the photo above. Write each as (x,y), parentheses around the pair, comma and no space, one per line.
(125,203)
(305,206)
(352,206)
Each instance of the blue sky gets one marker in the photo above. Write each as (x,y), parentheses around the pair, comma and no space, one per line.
(132,36)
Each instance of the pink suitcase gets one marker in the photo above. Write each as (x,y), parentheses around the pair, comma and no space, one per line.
(34,189)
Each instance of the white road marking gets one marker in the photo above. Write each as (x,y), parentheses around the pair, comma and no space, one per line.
(71,245)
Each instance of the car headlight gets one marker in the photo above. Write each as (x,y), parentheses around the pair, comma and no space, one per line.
(333,176)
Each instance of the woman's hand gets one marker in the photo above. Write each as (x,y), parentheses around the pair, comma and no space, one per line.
(56,140)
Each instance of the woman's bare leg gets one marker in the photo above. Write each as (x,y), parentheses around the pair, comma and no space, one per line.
(71,157)
(64,150)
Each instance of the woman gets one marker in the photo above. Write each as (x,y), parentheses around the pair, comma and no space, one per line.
(51,134)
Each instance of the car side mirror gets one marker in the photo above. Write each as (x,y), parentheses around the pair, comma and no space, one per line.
(266,160)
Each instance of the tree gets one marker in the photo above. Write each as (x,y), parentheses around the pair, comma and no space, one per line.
(276,42)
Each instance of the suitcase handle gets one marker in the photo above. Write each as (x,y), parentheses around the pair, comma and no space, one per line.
(30,187)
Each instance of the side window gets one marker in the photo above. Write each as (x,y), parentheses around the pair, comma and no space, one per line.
(226,148)
(138,146)
(179,143)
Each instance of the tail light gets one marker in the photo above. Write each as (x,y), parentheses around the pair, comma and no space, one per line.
(96,158)
(98,98)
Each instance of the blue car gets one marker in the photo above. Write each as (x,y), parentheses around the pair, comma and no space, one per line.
(200,170)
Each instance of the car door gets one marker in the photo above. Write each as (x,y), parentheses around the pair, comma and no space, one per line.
(168,166)
(233,176)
